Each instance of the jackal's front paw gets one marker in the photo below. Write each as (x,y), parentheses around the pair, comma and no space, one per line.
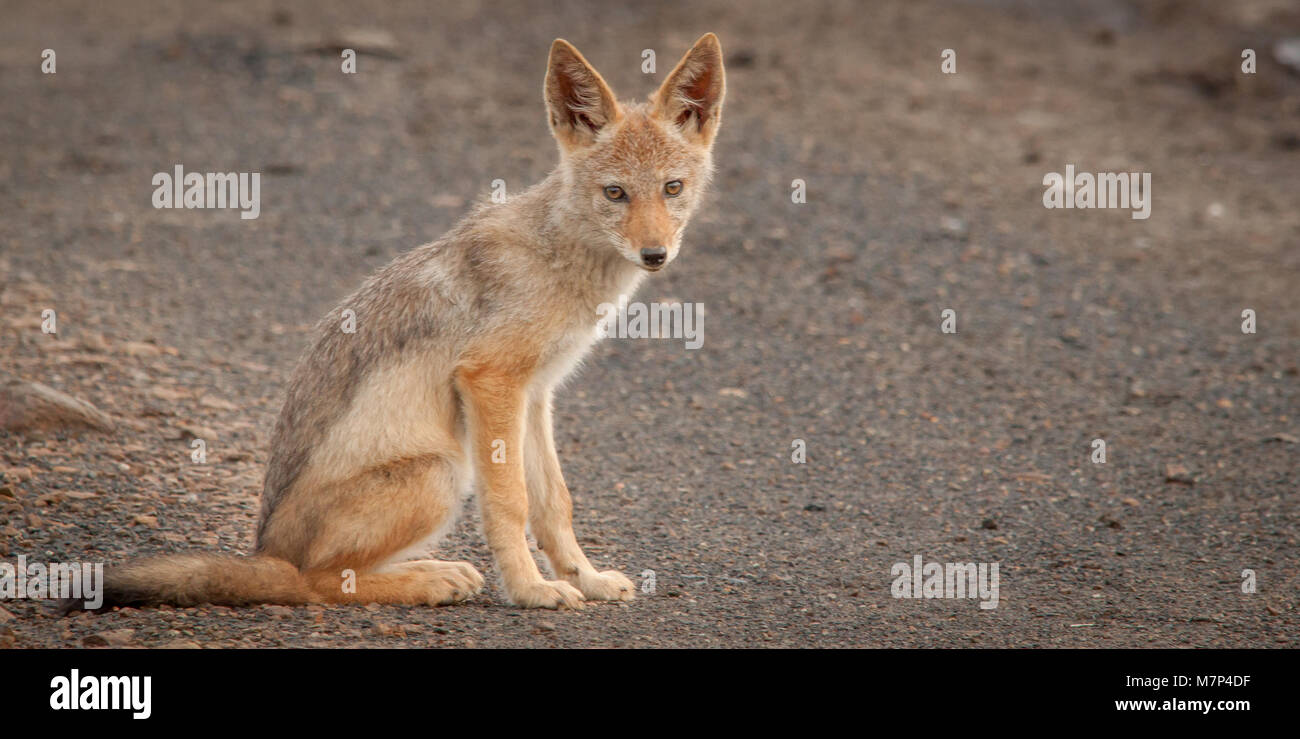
(607,585)
(546,594)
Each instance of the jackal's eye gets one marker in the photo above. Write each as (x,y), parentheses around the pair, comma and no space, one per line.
(673,189)
(614,192)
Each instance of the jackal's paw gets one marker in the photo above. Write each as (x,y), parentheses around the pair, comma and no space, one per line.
(448,582)
(546,594)
(607,585)
(458,570)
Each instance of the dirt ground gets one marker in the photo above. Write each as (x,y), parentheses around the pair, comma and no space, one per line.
(822,323)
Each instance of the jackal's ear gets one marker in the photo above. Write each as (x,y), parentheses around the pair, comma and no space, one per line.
(691,97)
(579,101)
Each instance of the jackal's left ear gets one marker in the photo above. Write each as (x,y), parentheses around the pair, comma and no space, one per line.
(691,97)
(579,101)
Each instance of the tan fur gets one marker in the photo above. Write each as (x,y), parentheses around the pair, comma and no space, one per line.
(458,346)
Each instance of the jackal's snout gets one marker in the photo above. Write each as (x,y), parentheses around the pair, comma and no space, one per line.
(653,257)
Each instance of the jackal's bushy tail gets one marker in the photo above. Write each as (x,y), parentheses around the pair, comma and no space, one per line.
(193,579)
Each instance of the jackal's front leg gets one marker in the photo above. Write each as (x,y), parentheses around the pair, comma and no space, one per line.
(551,511)
(495,405)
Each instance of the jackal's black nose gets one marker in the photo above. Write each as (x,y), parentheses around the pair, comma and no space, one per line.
(654,256)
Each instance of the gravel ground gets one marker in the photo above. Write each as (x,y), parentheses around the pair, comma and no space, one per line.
(822,319)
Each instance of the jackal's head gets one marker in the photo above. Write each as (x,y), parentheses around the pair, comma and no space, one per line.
(634,173)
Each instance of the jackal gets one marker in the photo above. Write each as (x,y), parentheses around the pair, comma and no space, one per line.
(445,384)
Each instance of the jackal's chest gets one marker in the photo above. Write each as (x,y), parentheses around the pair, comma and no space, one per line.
(563,355)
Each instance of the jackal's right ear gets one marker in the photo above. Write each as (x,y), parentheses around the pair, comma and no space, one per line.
(579,101)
